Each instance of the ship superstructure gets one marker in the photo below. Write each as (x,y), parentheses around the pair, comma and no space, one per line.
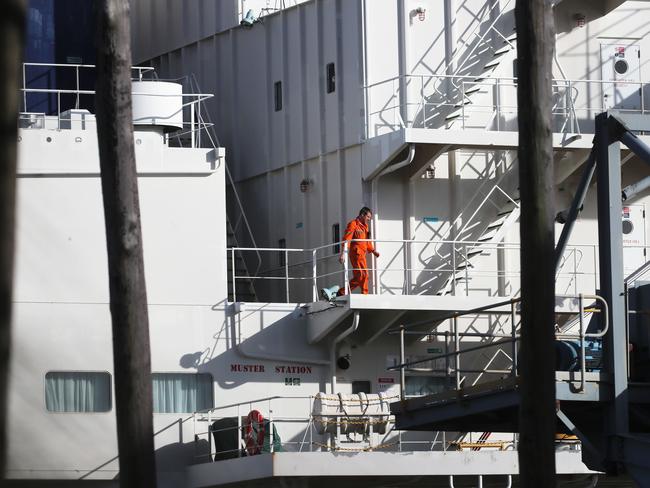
(324,106)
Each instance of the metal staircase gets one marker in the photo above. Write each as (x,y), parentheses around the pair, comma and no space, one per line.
(236,264)
(476,65)
(244,291)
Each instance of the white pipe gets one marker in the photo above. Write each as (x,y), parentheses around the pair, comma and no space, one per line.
(375,203)
(339,338)
(401,164)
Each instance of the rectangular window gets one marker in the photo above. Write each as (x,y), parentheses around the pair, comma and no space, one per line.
(425,385)
(331,77)
(181,392)
(282,257)
(71,391)
(336,238)
(277,91)
(360,387)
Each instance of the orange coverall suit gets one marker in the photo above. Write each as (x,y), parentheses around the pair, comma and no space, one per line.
(357,251)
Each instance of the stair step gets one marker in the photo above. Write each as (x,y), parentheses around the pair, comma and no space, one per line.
(454,115)
(464,265)
(475,252)
(492,64)
(504,50)
(465,102)
(511,37)
(497,223)
(473,89)
(507,211)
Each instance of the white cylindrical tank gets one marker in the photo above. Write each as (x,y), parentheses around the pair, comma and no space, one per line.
(158,103)
(353,413)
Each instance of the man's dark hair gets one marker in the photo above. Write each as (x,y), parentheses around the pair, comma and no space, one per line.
(365,211)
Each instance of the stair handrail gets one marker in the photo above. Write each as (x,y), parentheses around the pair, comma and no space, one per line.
(210,131)
(481,38)
(483,202)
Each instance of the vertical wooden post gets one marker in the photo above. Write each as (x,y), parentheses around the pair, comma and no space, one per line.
(537,419)
(12,34)
(131,354)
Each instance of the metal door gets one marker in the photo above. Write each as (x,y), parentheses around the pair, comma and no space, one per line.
(620,64)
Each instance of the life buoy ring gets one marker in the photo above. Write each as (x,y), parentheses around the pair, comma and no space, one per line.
(254,432)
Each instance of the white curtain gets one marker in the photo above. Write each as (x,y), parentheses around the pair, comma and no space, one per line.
(424,385)
(77,392)
(181,392)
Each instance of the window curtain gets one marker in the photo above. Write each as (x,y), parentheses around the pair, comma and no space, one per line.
(181,392)
(424,385)
(77,392)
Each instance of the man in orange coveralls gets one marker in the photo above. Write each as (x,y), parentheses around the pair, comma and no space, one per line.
(358,229)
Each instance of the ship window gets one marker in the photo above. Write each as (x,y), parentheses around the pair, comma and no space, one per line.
(331,77)
(336,238)
(361,387)
(277,91)
(181,392)
(282,256)
(74,391)
(424,385)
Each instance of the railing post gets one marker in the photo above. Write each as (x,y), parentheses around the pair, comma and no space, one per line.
(76,105)
(192,141)
(314,274)
(497,102)
(234,275)
(345,268)
(642,98)
(466,270)
(286,272)
(407,270)
(456,351)
(24,89)
(453,268)
(402,360)
(572,118)
(575,271)
(209,436)
(238,433)
(583,361)
(462,101)
(513,323)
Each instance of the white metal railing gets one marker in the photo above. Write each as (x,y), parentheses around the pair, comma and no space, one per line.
(486,340)
(192,125)
(298,433)
(491,103)
(295,275)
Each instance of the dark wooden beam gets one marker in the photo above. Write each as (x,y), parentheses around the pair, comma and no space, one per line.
(12,35)
(535,44)
(131,351)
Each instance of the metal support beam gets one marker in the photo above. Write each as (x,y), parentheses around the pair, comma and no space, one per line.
(610,240)
(576,205)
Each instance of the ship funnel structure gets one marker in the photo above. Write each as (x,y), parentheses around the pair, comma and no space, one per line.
(158,104)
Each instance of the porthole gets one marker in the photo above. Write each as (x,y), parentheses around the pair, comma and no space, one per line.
(621,66)
(48,139)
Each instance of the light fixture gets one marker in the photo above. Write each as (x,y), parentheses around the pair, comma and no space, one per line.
(579,19)
(305,185)
(421,11)
(343,362)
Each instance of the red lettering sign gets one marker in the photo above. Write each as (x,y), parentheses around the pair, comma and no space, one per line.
(386,380)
